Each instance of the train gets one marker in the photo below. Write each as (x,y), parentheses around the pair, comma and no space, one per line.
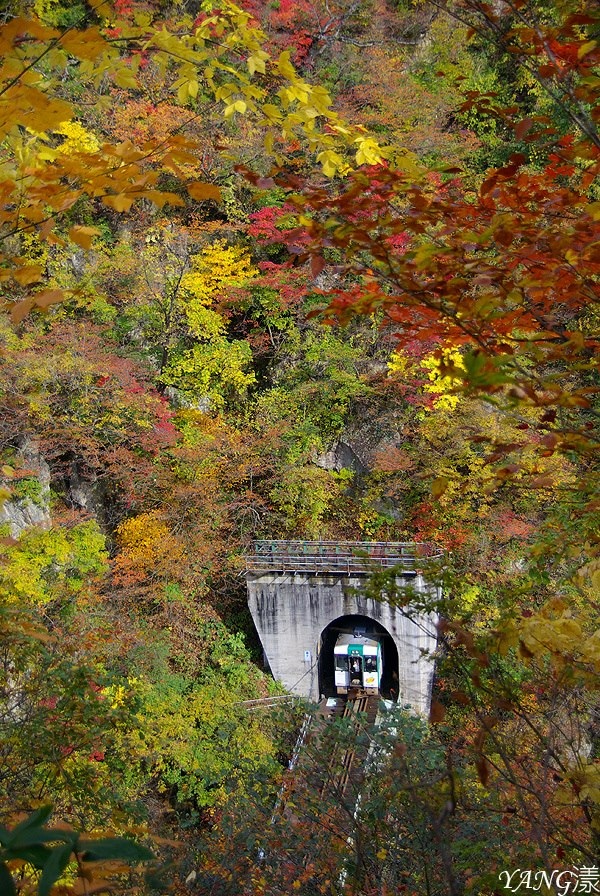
(358,663)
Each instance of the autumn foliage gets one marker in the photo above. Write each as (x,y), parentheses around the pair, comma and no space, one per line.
(306,270)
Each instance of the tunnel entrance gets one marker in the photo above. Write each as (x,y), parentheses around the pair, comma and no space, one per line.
(370,627)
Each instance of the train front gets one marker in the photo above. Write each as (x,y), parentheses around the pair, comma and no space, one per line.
(358,664)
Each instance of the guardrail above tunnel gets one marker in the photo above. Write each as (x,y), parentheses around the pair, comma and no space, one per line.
(338,557)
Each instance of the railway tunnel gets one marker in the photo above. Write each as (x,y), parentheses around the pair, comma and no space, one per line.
(371,628)
(299,592)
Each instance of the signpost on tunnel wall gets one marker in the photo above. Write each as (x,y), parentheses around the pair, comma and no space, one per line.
(298,588)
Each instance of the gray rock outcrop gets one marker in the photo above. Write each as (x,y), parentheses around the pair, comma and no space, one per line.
(28,506)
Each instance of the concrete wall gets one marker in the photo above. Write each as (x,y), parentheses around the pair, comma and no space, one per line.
(291,610)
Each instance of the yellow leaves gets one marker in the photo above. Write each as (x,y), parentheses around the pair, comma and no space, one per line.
(148,548)
(213,270)
(406,162)
(583,779)
(554,633)
(191,54)
(572,256)
(45,564)
(18,28)
(269,142)
(439,486)
(321,100)
(99,4)
(86,45)
(399,363)
(238,106)
(29,107)
(256,62)
(284,66)
(186,89)
(588,579)
(200,191)
(586,48)
(160,198)
(78,139)
(225,91)
(205,323)
(368,152)
(124,77)
(120,203)
(40,180)
(27,274)
(591,649)
(82,235)
(443,371)
(299,92)
(116,695)
(593,209)
(271,112)
(332,163)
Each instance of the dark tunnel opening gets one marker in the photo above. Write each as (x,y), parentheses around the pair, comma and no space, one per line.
(371,628)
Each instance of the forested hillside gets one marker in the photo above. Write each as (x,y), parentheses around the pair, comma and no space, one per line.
(314,270)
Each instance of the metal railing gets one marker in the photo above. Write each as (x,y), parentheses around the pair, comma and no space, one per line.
(341,557)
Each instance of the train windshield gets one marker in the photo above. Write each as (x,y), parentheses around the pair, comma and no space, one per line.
(341,662)
(370,664)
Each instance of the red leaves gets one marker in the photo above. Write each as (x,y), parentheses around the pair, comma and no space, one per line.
(317,264)
(276,224)
(483,770)
(123,7)
(95,405)
(523,127)
(437,712)
(502,174)
(97,756)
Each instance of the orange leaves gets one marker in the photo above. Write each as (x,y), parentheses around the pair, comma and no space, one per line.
(26,274)
(82,235)
(437,713)
(508,269)
(42,300)
(200,191)
(41,178)
(483,770)
(47,297)
(120,202)
(523,127)
(89,44)
(26,106)
(148,550)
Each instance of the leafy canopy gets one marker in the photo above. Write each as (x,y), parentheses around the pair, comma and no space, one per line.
(216,58)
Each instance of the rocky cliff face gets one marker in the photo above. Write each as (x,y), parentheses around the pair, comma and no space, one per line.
(29,504)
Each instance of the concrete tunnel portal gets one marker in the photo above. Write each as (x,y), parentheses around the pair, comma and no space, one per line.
(371,628)
(301,594)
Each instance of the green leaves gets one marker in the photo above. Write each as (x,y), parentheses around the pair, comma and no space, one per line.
(7,884)
(113,848)
(54,867)
(28,831)
(30,841)
(27,842)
